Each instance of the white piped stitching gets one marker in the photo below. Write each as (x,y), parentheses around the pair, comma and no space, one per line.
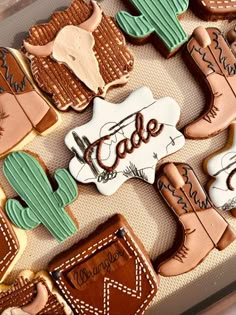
(137,293)
(220,4)
(8,244)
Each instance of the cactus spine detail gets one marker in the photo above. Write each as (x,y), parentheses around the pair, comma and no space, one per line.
(45,206)
(157,16)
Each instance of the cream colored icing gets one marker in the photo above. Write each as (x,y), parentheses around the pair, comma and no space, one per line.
(73,46)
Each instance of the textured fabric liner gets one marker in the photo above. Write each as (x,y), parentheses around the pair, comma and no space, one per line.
(143,207)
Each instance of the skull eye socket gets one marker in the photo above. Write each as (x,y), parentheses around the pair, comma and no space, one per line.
(72,57)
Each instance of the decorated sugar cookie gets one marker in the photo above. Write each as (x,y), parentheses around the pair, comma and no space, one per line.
(124,140)
(158,22)
(12,242)
(32,294)
(213,10)
(78,55)
(107,273)
(43,205)
(212,62)
(222,167)
(23,109)
(202,227)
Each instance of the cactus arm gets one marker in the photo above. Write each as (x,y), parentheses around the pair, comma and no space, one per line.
(134,26)
(68,190)
(22,217)
(159,17)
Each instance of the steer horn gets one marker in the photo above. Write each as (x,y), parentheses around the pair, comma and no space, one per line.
(92,23)
(39,51)
(39,302)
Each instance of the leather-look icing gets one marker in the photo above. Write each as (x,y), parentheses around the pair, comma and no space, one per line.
(203,227)
(214,9)
(78,55)
(126,289)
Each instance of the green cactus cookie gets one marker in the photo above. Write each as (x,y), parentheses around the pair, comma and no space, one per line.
(159,17)
(45,206)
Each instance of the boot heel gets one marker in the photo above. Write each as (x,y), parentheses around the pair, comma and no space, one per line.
(227,238)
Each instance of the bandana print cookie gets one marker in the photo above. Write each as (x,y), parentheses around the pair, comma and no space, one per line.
(128,141)
(213,10)
(212,62)
(221,166)
(32,294)
(158,21)
(21,103)
(43,205)
(203,228)
(12,242)
(107,273)
(78,55)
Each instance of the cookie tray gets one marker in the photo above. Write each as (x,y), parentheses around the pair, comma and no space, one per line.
(139,202)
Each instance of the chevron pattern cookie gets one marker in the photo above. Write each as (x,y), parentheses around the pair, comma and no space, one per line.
(107,273)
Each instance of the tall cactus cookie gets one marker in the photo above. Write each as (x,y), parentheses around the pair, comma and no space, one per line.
(158,18)
(44,206)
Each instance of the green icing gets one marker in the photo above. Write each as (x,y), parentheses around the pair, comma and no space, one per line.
(159,16)
(45,206)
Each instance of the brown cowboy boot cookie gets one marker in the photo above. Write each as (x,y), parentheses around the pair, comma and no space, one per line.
(213,64)
(23,109)
(78,55)
(213,10)
(203,228)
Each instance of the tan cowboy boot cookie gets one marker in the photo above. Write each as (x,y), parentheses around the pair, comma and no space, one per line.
(203,227)
(213,63)
(23,109)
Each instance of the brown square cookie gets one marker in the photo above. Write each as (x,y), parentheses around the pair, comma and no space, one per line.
(107,273)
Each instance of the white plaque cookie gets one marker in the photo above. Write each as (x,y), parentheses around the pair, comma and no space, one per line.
(124,140)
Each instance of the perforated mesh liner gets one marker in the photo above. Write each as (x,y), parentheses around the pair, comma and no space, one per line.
(142,206)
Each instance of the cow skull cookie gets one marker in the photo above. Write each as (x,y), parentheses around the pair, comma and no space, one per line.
(127,141)
(157,21)
(21,103)
(213,10)
(43,205)
(221,166)
(213,63)
(77,55)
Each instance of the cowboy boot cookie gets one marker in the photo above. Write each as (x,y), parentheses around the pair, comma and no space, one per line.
(203,227)
(22,108)
(212,62)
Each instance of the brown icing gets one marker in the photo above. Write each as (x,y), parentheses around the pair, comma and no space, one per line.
(114,60)
(214,9)
(128,288)
(216,66)
(23,292)
(126,146)
(203,227)
(20,103)
(9,247)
